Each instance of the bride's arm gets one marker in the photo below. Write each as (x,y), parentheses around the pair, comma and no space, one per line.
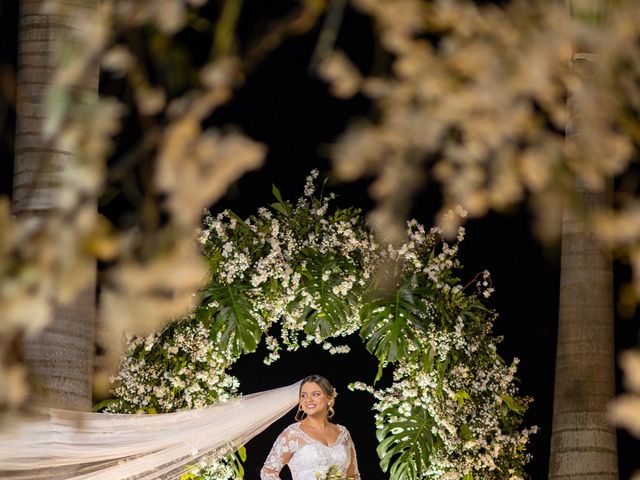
(352,472)
(279,456)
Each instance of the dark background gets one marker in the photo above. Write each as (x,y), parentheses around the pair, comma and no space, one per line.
(285,107)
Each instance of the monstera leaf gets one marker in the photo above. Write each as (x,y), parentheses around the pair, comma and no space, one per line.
(333,310)
(232,317)
(390,322)
(406,443)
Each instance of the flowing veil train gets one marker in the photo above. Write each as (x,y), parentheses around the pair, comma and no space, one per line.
(61,444)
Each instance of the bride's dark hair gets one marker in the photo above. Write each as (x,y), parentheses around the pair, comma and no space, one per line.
(326,388)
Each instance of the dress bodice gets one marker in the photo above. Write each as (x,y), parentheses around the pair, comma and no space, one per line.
(308,458)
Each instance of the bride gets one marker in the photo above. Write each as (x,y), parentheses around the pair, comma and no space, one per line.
(313,447)
(65,445)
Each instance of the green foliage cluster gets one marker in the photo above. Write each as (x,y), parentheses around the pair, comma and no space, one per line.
(308,272)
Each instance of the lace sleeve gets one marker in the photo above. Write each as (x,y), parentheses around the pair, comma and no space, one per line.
(280,454)
(352,472)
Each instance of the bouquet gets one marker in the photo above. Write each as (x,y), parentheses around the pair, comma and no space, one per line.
(333,473)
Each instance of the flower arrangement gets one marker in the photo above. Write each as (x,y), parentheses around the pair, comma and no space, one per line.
(333,473)
(314,273)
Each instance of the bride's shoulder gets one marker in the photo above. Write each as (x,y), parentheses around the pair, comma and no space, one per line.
(343,430)
(290,432)
(294,427)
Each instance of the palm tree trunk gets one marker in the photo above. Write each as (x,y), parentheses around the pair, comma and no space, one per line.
(60,358)
(583,444)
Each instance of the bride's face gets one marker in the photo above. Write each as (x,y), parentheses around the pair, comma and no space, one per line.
(313,400)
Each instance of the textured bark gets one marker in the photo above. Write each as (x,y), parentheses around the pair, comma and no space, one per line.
(60,358)
(583,444)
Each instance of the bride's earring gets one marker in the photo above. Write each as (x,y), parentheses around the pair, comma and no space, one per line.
(300,414)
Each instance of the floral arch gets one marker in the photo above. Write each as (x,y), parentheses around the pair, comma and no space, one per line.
(316,273)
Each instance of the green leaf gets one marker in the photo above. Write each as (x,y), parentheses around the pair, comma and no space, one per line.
(242,453)
(234,318)
(405,444)
(461,396)
(513,404)
(203,314)
(333,310)
(428,354)
(237,458)
(390,324)
(465,432)
(281,207)
(276,193)
(379,372)
(104,404)
(238,220)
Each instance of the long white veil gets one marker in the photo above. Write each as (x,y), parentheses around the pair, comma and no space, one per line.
(61,444)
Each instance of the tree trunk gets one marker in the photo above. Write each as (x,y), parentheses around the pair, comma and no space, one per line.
(583,444)
(60,358)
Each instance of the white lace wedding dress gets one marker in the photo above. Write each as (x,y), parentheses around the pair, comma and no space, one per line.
(309,458)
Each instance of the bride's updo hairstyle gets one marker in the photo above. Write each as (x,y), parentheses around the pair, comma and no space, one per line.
(326,388)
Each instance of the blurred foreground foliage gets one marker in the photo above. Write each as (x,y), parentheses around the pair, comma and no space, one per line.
(470,96)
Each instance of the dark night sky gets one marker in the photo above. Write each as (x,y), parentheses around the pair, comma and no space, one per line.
(282,106)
